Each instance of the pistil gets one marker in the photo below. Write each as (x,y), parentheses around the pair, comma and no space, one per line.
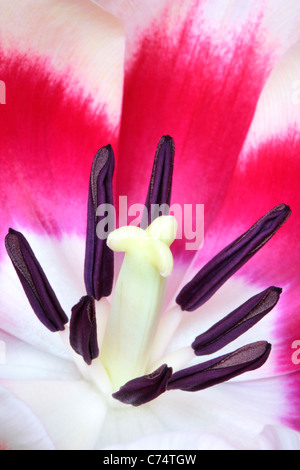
(138,297)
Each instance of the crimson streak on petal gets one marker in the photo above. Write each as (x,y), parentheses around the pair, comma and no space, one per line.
(49,132)
(193,89)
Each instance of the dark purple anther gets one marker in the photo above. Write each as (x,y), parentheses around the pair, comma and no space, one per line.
(99,259)
(159,192)
(35,283)
(221,369)
(215,273)
(83,329)
(138,391)
(237,322)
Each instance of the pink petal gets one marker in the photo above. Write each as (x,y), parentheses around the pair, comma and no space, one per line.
(75,37)
(185,86)
(53,121)
(185,78)
(194,70)
(267,174)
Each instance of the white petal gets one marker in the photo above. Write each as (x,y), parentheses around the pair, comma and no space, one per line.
(62,261)
(280,22)
(22,361)
(124,424)
(72,412)
(167,327)
(230,296)
(19,428)
(235,413)
(278,109)
(73,36)
(238,410)
(177,441)
(279,438)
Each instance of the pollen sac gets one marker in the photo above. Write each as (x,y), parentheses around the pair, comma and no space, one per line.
(99,259)
(83,329)
(35,283)
(221,369)
(160,187)
(217,271)
(143,389)
(237,322)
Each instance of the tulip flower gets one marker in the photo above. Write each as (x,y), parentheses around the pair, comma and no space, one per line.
(128,334)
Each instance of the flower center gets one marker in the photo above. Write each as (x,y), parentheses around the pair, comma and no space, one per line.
(138,297)
(126,346)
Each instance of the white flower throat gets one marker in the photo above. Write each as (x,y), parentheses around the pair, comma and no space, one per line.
(121,347)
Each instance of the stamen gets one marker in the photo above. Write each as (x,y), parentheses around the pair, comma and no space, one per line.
(237,322)
(159,192)
(83,329)
(99,259)
(141,390)
(35,283)
(221,369)
(215,273)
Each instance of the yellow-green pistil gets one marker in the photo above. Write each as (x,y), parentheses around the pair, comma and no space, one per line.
(138,297)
